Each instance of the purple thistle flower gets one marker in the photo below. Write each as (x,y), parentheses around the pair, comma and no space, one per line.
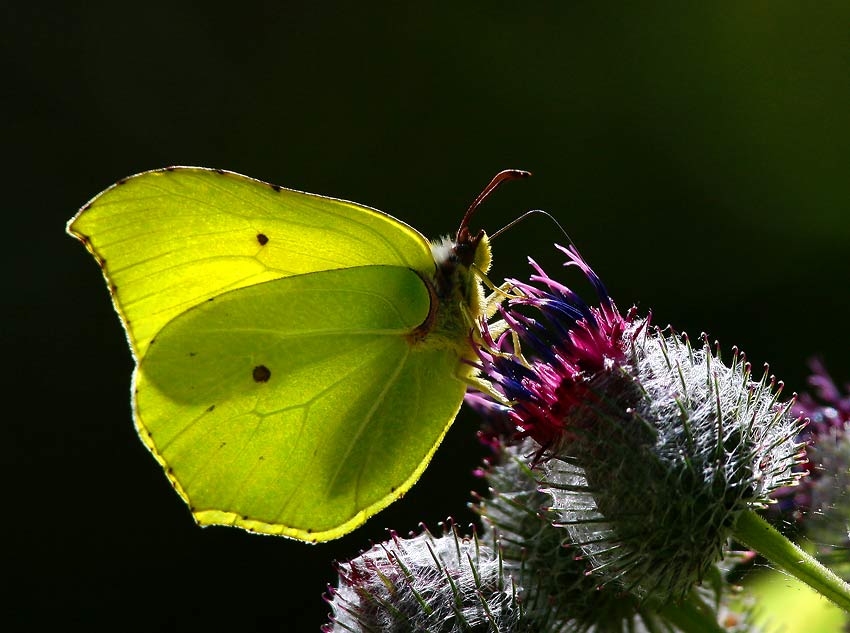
(572,342)
(829,406)
(828,412)
(649,448)
(821,503)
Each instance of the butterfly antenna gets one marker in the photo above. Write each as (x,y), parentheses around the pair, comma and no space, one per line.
(465,244)
(498,179)
(528,214)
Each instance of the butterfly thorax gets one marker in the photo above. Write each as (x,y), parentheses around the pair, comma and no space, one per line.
(456,292)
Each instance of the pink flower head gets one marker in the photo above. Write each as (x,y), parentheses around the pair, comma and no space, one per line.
(827,442)
(570,343)
(649,448)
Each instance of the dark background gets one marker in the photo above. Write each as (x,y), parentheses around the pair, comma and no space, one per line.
(697,156)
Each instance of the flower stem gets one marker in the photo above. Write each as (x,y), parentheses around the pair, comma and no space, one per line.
(759,535)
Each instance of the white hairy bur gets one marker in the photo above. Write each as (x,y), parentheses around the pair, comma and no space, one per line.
(675,445)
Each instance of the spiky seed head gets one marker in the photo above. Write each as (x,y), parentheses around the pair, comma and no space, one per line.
(649,448)
(680,445)
(558,594)
(444,584)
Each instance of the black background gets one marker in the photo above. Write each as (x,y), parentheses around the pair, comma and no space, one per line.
(698,157)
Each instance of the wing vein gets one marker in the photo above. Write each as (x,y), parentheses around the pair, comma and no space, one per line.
(368,417)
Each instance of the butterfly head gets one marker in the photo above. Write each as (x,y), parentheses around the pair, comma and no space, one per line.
(470,249)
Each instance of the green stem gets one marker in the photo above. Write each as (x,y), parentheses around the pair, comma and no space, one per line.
(759,535)
(692,616)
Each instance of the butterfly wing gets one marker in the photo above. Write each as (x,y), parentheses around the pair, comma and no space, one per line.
(299,406)
(278,381)
(170,239)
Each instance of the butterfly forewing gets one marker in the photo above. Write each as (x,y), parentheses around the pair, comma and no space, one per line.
(168,240)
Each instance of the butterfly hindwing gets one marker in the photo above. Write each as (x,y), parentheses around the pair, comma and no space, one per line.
(298,406)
